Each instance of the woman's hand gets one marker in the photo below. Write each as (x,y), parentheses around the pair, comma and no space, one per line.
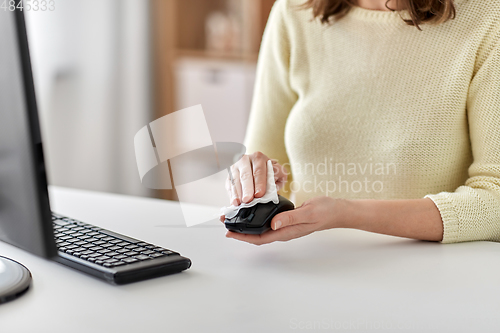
(250,178)
(317,214)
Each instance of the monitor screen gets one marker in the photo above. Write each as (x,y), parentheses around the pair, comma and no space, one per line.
(25,219)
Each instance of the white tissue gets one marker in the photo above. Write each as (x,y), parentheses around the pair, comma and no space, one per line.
(271,195)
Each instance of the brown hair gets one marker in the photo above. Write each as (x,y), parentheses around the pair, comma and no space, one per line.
(420,11)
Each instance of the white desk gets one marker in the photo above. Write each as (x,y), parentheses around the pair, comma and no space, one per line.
(341,280)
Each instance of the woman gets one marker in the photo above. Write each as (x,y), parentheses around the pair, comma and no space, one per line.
(387,115)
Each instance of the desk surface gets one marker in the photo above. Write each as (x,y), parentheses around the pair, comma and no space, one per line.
(339,280)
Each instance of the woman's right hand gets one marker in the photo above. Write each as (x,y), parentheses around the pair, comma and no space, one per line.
(249,177)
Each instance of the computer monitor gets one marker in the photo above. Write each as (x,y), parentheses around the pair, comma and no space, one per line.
(25,217)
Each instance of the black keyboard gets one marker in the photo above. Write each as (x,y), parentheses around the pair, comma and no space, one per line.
(105,248)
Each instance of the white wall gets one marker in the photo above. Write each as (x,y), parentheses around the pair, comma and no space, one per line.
(91,68)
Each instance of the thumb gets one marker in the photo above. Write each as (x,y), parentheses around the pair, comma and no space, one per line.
(291,217)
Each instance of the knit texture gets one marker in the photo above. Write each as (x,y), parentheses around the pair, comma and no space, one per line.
(369,107)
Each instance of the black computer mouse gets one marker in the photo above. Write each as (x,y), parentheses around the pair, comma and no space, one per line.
(257,219)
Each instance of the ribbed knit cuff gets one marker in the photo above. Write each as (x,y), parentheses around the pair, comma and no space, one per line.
(446,208)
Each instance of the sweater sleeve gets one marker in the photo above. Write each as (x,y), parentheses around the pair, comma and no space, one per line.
(472,212)
(273,96)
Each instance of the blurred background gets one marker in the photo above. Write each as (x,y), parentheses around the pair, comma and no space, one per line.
(104,69)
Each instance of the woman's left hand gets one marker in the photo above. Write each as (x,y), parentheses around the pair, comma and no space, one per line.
(317,214)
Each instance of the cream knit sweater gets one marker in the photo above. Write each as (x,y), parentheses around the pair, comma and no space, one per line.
(369,107)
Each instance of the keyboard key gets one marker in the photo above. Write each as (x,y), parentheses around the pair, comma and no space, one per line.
(63,244)
(88,245)
(103,251)
(131,246)
(77,234)
(118,263)
(142,244)
(99,242)
(70,252)
(91,259)
(123,244)
(73,240)
(87,252)
(107,245)
(148,252)
(102,258)
(140,249)
(121,256)
(93,233)
(96,248)
(142,257)
(65,237)
(79,228)
(157,255)
(112,254)
(84,237)
(160,249)
(115,241)
(130,260)
(122,250)
(99,262)
(69,247)
(108,239)
(115,248)
(80,243)
(110,260)
(62,249)
(131,253)
(60,222)
(91,240)
(84,256)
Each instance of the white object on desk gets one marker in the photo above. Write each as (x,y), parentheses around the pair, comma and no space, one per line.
(338,280)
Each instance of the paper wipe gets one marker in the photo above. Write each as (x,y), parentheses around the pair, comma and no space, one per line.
(271,195)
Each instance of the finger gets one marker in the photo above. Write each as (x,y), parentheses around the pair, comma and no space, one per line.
(259,167)
(235,186)
(297,216)
(280,175)
(246,180)
(282,235)
(265,238)
(222,218)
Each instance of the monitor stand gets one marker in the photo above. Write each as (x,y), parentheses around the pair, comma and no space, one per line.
(15,279)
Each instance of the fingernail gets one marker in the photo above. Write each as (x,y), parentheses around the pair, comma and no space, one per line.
(247,198)
(277,225)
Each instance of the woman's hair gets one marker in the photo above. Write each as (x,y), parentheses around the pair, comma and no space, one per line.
(420,11)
